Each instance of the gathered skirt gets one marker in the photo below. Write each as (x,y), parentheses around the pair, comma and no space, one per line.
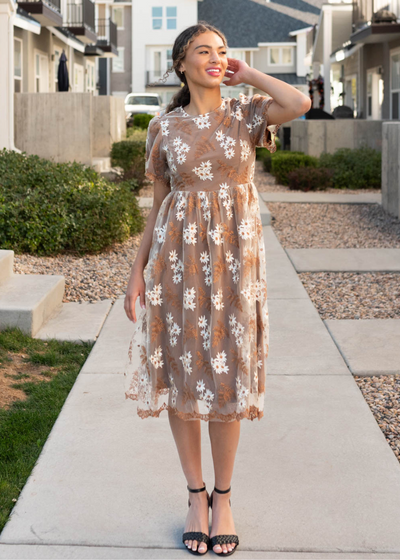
(200,346)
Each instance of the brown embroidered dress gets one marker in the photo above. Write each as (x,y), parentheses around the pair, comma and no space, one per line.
(205,329)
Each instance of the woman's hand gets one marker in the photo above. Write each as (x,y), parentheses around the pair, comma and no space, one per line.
(236,71)
(136,287)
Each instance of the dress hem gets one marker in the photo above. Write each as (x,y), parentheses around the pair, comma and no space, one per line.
(252,413)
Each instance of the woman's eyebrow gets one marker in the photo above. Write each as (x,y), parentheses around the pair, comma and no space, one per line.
(209,46)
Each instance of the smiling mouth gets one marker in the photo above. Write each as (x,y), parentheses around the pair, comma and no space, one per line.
(214,71)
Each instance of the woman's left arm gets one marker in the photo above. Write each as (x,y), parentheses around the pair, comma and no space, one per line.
(289,103)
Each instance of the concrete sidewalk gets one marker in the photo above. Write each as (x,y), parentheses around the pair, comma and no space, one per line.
(315,478)
(345,260)
(322,197)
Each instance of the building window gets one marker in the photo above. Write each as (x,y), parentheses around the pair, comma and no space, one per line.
(239,55)
(287,55)
(169,58)
(395,85)
(171,17)
(118,16)
(57,55)
(17,65)
(90,72)
(157,17)
(281,56)
(118,62)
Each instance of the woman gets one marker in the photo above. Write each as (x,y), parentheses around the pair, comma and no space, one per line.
(205,327)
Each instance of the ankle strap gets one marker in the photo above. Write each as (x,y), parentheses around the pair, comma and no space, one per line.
(197,489)
(222,491)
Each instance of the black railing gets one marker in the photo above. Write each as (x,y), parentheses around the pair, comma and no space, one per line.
(156,75)
(80,15)
(51,3)
(106,31)
(362,12)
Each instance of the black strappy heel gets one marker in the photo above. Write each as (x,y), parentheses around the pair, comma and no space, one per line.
(223,539)
(197,535)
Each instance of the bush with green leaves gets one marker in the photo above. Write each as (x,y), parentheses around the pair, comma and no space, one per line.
(136,133)
(129,155)
(284,162)
(142,120)
(48,208)
(310,179)
(354,169)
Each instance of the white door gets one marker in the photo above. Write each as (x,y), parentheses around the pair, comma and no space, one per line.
(41,72)
(374,95)
(78,78)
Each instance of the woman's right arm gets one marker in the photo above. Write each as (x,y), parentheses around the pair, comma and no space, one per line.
(136,283)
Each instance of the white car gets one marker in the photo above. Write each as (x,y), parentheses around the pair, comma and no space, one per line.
(149,103)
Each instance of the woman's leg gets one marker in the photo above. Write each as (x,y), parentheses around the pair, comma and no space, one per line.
(187,435)
(224,438)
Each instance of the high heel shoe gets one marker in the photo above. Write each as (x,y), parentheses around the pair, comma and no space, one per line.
(222,539)
(197,535)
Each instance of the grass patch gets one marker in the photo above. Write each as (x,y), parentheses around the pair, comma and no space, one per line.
(36,377)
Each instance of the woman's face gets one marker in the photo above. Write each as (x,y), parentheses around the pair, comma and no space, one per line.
(205,61)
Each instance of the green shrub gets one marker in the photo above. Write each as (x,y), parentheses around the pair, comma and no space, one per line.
(142,120)
(354,169)
(284,162)
(48,208)
(129,155)
(136,133)
(310,179)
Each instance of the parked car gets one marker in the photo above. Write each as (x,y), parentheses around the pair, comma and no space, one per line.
(149,103)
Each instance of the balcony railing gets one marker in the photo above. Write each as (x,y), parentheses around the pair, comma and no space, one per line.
(362,12)
(46,12)
(106,32)
(156,75)
(81,15)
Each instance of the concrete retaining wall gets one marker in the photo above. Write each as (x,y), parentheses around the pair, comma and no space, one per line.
(68,126)
(391,168)
(109,124)
(316,136)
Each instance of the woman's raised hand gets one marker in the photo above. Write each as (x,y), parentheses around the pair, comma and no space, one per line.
(235,71)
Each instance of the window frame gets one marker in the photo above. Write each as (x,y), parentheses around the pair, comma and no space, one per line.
(394,52)
(121,10)
(19,78)
(158,18)
(122,50)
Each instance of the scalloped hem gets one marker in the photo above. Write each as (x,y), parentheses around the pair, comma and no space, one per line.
(252,413)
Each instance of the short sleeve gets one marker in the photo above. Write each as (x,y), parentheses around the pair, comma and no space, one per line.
(156,168)
(256,116)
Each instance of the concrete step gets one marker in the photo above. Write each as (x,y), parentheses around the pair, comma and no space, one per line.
(322,198)
(101,164)
(6,264)
(369,346)
(27,301)
(77,322)
(345,260)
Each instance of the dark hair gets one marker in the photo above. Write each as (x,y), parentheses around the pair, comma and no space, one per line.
(181,44)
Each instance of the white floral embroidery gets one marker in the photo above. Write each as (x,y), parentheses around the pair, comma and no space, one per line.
(205,331)
(242,393)
(170,159)
(161,233)
(227,200)
(234,265)
(173,329)
(237,329)
(180,206)
(245,150)
(244,99)
(217,234)
(217,299)
(219,363)
(255,291)
(259,358)
(188,299)
(204,171)
(156,358)
(205,260)
(205,395)
(186,359)
(176,266)
(202,121)
(205,205)
(174,390)
(226,142)
(189,234)
(238,114)
(257,120)
(154,295)
(181,148)
(164,128)
(245,229)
